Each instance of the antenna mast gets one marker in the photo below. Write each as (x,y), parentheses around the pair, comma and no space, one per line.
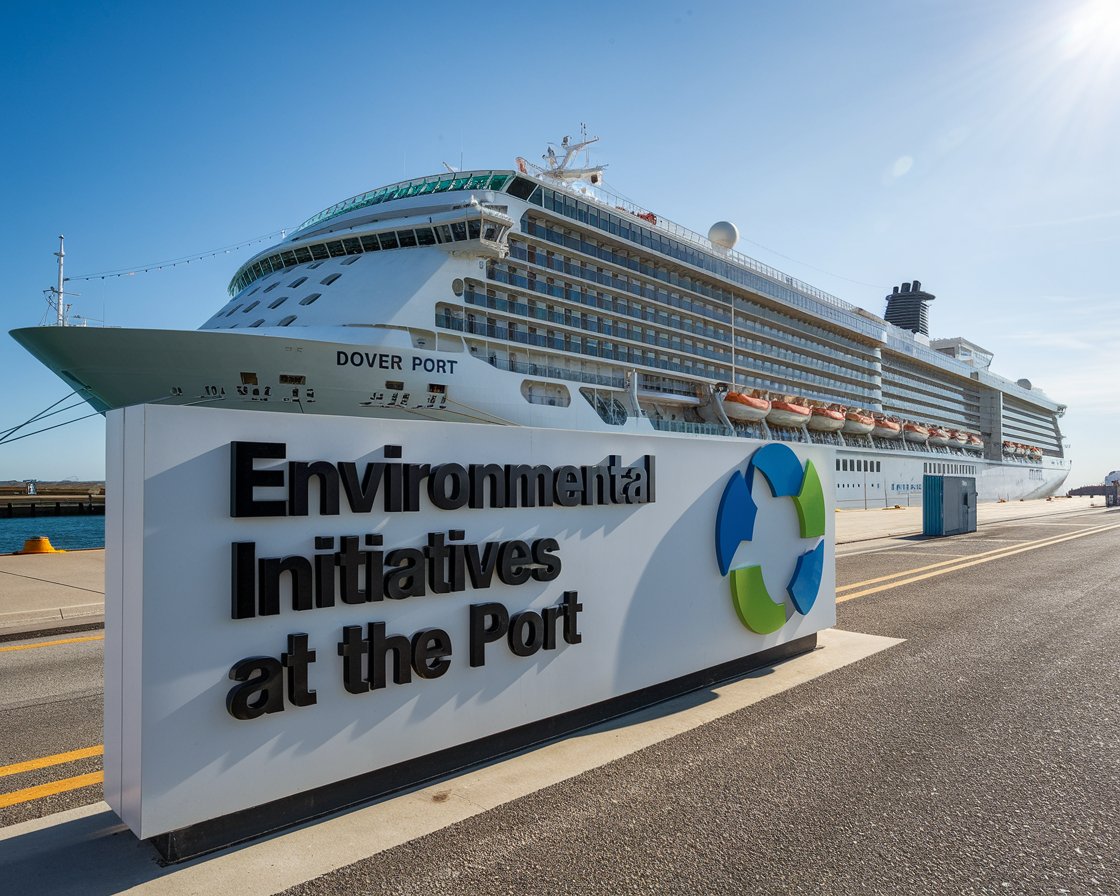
(60,254)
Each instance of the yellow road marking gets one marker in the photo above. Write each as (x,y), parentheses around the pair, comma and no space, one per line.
(48,761)
(37,793)
(1041,542)
(54,643)
(972,562)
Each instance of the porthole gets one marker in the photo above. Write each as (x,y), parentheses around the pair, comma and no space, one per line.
(307,300)
(457,286)
(285,322)
(276,303)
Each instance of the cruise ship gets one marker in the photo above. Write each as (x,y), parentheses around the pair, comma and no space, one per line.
(535,296)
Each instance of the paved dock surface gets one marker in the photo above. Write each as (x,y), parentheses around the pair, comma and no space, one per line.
(968,742)
(51,591)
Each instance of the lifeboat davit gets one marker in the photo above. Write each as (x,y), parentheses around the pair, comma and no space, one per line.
(743,407)
(793,412)
(885,428)
(858,423)
(915,432)
(938,436)
(825,420)
(673,398)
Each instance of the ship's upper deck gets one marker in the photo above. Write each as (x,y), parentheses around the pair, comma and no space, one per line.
(597,207)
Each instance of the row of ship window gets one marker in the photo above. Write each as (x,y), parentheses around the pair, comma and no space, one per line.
(625,226)
(1036,426)
(924,381)
(403,238)
(576,344)
(846,465)
(439,184)
(574,268)
(513,277)
(572,344)
(534,368)
(928,414)
(309,299)
(552,234)
(927,410)
(791,380)
(594,324)
(570,267)
(939,467)
(901,342)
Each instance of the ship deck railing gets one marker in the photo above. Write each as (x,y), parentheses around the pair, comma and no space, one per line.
(605,329)
(529,368)
(608,198)
(684,426)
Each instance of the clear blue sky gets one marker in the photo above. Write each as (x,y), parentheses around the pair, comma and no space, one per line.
(973,145)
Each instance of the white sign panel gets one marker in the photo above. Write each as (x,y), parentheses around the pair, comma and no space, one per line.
(295,601)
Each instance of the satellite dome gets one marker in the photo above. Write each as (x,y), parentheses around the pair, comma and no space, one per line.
(724,235)
(1025,384)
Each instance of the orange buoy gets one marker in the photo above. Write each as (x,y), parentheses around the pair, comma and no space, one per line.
(40,544)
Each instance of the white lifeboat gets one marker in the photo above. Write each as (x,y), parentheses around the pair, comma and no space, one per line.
(788,412)
(915,432)
(974,442)
(938,436)
(825,420)
(858,423)
(885,428)
(746,408)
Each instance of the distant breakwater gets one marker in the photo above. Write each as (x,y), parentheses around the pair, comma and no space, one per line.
(52,505)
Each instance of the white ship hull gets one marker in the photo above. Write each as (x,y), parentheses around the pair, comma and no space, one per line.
(120,367)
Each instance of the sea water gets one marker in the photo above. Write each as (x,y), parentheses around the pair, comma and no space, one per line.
(69,533)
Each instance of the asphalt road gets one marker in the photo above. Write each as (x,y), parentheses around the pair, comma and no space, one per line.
(980,756)
(50,704)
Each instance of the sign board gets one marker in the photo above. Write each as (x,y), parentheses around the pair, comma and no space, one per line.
(305,611)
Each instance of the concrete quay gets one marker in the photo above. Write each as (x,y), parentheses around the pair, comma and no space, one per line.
(55,593)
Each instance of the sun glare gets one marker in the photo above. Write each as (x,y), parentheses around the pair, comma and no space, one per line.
(1094,31)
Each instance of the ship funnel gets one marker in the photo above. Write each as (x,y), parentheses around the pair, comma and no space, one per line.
(906,308)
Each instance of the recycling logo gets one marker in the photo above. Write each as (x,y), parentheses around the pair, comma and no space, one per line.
(735,523)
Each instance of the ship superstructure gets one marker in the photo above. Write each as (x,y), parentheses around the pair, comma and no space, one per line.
(535,296)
